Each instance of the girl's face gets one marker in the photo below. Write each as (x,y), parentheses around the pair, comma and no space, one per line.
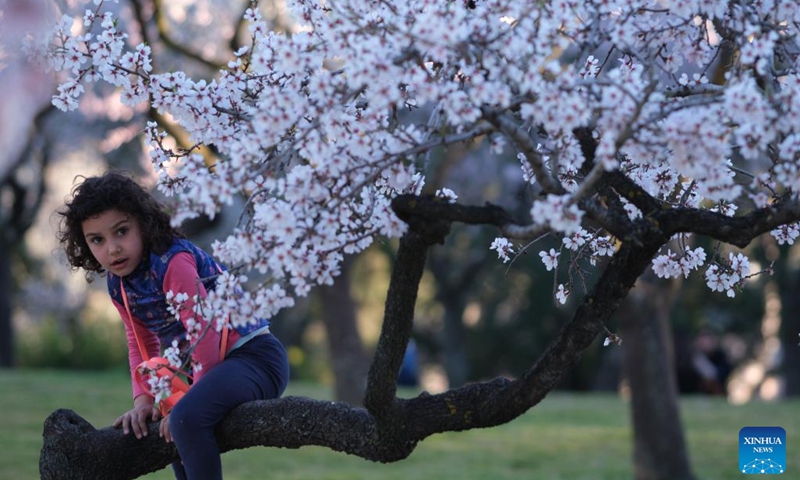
(115,241)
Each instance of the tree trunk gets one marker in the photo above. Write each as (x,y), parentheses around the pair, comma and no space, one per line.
(790,326)
(21,202)
(348,357)
(454,279)
(659,447)
(455,355)
(6,319)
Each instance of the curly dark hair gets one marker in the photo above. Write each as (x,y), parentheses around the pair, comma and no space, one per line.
(113,190)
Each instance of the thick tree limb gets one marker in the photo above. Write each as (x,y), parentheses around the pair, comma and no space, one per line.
(401,298)
(658,216)
(74,449)
(411,208)
(739,231)
(390,428)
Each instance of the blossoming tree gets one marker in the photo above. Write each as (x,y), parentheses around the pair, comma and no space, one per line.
(639,124)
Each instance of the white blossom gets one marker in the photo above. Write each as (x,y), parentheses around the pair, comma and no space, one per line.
(562,293)
(550,259)
(319,130)
(173,354)
(576,240)
(447,194)
(556,212)
(786,233)
(503,247)
(665,266)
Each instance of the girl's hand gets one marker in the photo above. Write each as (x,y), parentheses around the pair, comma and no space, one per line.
(136,418)
(163,429)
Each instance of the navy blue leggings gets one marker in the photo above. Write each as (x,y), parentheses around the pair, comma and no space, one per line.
(258,370)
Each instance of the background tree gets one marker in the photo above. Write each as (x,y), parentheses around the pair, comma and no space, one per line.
(21,190)
(629,159)
(659,446)
(348,357)
(790,327)
(24,93)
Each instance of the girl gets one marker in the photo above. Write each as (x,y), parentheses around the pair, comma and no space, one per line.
(112,225)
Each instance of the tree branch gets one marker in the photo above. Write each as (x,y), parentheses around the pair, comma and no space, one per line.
(430,208)
(74,449)
(390,428)
(162,24)
(738,231)
(396,329)
(522,140)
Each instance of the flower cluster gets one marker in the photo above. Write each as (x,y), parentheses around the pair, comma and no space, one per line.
(724,278)
(160,386)
(318,130)
(557,213)
(670,265)
(173,354)
(504,248)
(176,303)
(786,233)
(447,194)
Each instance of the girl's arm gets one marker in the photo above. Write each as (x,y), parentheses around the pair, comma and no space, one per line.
(149,341)
(182,277)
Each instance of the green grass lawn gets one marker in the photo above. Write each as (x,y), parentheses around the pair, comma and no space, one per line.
(567,436)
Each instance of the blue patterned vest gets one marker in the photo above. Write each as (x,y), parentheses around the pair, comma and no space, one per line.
(148,301)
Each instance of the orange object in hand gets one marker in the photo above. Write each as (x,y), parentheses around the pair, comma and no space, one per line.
(161,368)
